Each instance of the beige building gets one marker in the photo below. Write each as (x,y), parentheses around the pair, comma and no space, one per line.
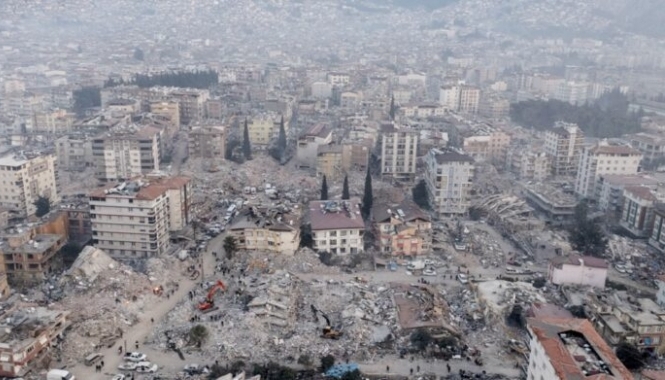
(564,145)
(638,210)
(402,230)
(25,179)
(263,128)
(132,220)
(460,98)
(168,109)
(601,159)
(309,142)
(57,121)
(207,141)
(488,146)
(449,175)
(126,152)
(274,230)
(74,154)
(191,103)
(529,165)
(29,255)
(399,152)
(337,226)
(334,161)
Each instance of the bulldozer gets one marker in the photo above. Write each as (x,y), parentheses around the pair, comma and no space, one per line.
(209,302)
(328,332)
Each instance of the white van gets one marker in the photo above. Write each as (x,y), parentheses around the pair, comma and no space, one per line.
(59,374)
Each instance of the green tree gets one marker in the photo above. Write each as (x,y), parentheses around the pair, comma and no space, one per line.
(392,108)
(345,188)
(281,139)
(368,197)
(586,235)
(327,362)
(198,335)
(630,356)
(43,205)
(420,195)
(230,246)
(85,98)
(246,146)
(420,339)
(324,189)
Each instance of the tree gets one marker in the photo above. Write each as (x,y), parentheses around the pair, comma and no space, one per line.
(392,108)
(420,195)
(230,246)
(345,188)
(420,339)
(43,205)
(327,362)
(281,139)
(324,189)
(138,54)
(85,98)
(246,147)
(198,335)
(630,356)
(586,235)
(368,198)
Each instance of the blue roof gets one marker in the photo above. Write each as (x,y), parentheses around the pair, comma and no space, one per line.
(339,370)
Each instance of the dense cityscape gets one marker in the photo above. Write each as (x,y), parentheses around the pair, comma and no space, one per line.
(332,189)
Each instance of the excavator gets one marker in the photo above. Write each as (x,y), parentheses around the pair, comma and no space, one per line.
(210,298)
(328,332)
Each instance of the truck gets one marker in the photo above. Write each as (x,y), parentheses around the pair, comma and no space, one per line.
(59,374)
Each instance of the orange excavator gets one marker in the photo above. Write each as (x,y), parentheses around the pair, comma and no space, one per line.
(210,298)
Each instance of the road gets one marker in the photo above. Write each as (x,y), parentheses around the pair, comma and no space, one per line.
(140,331)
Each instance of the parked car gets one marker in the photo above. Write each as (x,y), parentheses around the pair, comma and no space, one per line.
(429,272)
(461,277)
(146,367)
(127,366)
(119,376)
(135,357)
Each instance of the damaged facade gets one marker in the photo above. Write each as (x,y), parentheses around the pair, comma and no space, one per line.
(271,229)
(337,226)
(402,230)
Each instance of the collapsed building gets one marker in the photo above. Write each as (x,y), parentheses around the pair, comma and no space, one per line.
(273,229)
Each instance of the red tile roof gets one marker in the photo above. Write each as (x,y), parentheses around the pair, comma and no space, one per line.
(335,220)
(576,260)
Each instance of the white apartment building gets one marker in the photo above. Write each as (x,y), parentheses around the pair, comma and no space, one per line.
(449,97)
(309,142)
(578,270)
(601,159)
(531,165)
(53,121)
(564,144)
(25,179)
(449,176)
(570,349)
(126,152)
(132,220)
(460,98)
(575,93)
(337,226)
(399,150)
(338,79)
(74,154)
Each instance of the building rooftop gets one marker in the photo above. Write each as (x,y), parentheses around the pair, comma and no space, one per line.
(623,150)
(449,155)
(141,189)
(405,211)
(576,351)
(335,215)
(277,218)
(588,261)
(317,130)
(39,244)
(19,326)
(641,192)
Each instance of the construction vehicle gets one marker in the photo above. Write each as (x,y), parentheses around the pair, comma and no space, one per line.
(328,331)
(209,302)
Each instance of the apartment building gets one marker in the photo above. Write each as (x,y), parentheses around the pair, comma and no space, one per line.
(54,121)
(79,225)
(578,270)
(487,146)
(564,144)
(29,255)
(26,178)
(576,93)
(309,142)
(329,162)
(132,220)
(337,226)
(449,176)
(570,349)
(460,98)
(494,108)
(402,230)
(26,334)
(263,128)
(267,229)
(126,152)
(657,235)
(350,100)
(399,152)
(168,109)
(638,210)
(650,145)
(529,165)
(421,111)
(603,158)
(338,79)
(609,190)
(207,141)
(74,153)
(191,103)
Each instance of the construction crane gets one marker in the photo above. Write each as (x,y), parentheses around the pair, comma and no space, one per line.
(328,331)
(210,298)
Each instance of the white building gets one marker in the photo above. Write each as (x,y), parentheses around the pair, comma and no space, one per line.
(337,226)
(564,144)
(132,220)
(399,151)
(126,153)
(321,90)
(74,153)
(309,142)
(339,79)
(601,159)
(460,98)
(575,93)
(578,270)
(570,349)
(25,179)
(449,176)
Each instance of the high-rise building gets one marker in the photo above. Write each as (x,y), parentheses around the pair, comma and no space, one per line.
(449,175)
(170,110)
(25,179)
(460,98)
(399,150)
(126,152)
(309,142)
(564,144)
(132,220)
(73,153)
(207,141)
(603,158)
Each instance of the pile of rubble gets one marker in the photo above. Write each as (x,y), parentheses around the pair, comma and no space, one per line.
(499,295)
(104,297)
(267,313)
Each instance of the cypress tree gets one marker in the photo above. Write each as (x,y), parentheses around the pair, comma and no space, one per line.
(281,140)
(345,188)
(246,147)
(392,108)
(324,189)
(367,196)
